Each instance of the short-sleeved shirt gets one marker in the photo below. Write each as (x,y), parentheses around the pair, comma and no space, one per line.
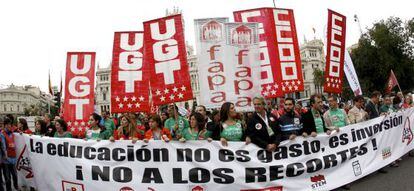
(232,132)
(182,124)
(318,121)
(65,135)
(191,134)
(337,117)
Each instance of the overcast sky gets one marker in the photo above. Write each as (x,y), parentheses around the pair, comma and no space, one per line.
(35,35)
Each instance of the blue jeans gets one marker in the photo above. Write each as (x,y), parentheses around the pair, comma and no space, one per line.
(9,172)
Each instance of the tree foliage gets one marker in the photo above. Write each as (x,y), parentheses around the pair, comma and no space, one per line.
(389,44)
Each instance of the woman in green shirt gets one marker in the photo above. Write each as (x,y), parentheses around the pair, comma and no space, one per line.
(61,129)
(230,128)
(197,130)
(96,131)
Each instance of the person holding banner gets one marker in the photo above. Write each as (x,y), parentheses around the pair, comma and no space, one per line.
(108,122)
(291,123)
(214,126)
(61,129)
(197,130)
(40,128)
(335,117)
(313,122)
(387,107)
(22,127)
(203,111)
(262,128)
(230,129)
(357,113)
(407,102)
(372,107)
(157,131)
(175,123)
(96,131)
(9,170)
(126,131)
(49,125)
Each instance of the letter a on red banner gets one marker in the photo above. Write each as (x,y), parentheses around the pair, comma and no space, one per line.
(165,53)
(129,76)
(79,90)
(335,53)
(281,67)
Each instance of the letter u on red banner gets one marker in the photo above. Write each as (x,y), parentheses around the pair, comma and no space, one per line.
(165,53)
(335,53)
(79,90)
(281,67)
(129,76)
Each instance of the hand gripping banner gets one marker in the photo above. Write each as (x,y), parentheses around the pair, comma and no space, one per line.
(228,63)
(129,76)
(165,53)
(79,90)
(281,68)
(335,53)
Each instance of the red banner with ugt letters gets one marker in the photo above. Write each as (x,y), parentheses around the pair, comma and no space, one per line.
(165,53)
(129,76)
(79,90)
(281,70)
(335,53)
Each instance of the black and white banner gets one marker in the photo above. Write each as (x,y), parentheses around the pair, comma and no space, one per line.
(321,163)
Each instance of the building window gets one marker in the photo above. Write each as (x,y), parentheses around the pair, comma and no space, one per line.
(104,96)
(102,108)
(18,107)
(11,108)
(304,75)
(313,53)
(5,108)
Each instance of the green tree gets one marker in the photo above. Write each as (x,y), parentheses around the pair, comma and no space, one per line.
(389,44)
(319,79)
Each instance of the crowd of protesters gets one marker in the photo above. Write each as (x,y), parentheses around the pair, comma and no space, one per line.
(266,127)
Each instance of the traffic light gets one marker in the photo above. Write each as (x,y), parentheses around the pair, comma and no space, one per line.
(56,98)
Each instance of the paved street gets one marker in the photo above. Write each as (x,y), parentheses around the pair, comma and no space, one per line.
(397,179)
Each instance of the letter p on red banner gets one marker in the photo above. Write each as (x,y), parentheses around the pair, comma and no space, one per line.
(166,55)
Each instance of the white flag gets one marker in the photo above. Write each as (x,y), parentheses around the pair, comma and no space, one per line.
(351,75)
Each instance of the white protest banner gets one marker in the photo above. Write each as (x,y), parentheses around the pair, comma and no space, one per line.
(351,75)
(229,62)
(23,165)
(304,164)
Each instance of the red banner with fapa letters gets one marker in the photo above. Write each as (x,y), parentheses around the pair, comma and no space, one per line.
(79,90)
(281,70)
(165,53)
(335,53)
(129,74)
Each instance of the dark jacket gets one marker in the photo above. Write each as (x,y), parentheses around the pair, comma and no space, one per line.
(290,123)
(372,110)
(50,130)
(257,130)
(309,122)
(215,130)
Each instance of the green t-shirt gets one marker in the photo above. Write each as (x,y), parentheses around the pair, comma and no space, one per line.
(191,134)
(65,135)
(232,132)
(109,125)
(318,122)
(337,117)
(95,134)
(182,124)
(386,109)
